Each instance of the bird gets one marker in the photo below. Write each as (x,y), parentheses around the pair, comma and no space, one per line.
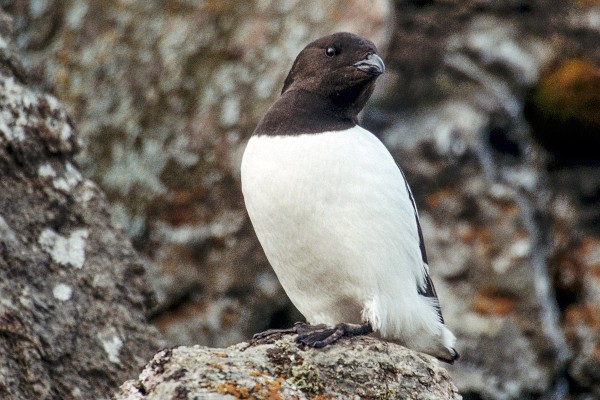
(333,211)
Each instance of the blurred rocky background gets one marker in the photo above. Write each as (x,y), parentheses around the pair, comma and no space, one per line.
(491,107)
(73,292)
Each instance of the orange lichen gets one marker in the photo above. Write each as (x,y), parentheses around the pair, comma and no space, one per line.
(267,389)
(583,314)
(229,317)
(597,350)
(219,6)
(587,3)
(273,388)
(215,365)
(469,234)
(588,244)
(595,270)
(563,112)
(230,387)
(492,302)
(571,92)
(180,207)
(335,14)
(485,236)
(63,57)
(180,314)
(435,199)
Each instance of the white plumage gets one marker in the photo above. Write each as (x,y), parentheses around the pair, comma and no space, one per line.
(333,214)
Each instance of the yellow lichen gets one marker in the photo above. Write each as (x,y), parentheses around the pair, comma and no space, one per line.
(570,92)
(587,3)
(492,302)
(267,389)
(306,378)
(230,387)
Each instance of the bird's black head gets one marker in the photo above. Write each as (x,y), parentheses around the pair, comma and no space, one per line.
(341,67)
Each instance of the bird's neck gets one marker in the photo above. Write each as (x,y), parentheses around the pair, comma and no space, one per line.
(299,112)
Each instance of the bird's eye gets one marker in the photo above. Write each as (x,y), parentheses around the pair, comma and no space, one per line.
(331,51)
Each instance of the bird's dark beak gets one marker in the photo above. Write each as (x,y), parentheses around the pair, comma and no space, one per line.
(372,65)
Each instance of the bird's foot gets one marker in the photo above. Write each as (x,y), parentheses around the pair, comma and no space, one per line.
(271,332)
(321,335)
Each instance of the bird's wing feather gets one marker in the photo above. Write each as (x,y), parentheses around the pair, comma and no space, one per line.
(429,289)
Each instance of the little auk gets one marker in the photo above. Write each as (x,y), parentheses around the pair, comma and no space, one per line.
(333,211)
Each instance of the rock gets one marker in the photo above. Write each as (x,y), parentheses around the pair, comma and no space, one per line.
(359,367)
(582,308)
(73,292)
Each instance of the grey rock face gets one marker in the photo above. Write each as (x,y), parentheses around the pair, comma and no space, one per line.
(360,367)
(166,96)
(73,293)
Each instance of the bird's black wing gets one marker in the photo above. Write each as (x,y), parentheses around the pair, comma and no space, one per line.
(429,289)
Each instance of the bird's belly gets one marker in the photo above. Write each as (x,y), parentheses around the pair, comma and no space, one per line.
(328,214)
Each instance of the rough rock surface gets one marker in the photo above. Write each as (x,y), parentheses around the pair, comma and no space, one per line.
(168,95)
(360,367)
(73,293)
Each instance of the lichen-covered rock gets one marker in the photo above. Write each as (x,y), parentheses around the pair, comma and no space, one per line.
(578,272)
(359,367)
(73,293)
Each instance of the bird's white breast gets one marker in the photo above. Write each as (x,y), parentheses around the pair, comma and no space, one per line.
(336,222)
